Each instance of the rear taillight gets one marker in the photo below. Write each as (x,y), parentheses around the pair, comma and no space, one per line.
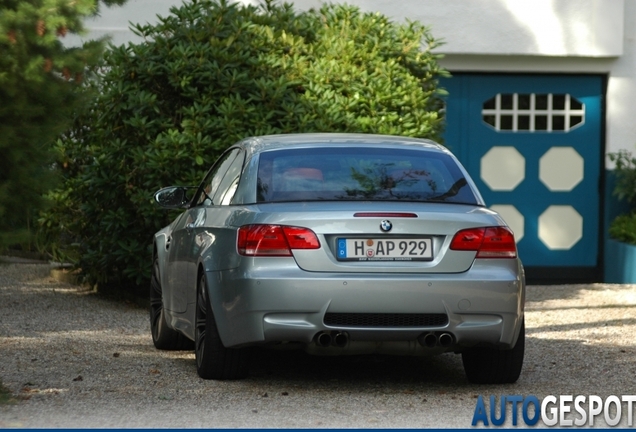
(274,240)
(490,242)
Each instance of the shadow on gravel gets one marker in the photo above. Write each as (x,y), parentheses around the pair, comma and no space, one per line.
(280,368)
(552,366)
(294,366)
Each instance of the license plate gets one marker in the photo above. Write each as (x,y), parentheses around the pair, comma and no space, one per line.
(395,249)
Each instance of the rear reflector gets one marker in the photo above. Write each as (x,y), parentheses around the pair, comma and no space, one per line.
(385,214)
(490,242)
(274,240)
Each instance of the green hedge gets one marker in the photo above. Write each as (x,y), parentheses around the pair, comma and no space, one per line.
(212,73)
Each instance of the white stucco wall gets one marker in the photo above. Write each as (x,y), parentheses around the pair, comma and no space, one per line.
(586,28)
(591,28)
(114,21)
(621,91)
(543,36)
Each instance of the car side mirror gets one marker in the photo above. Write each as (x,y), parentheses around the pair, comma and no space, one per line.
(172,197)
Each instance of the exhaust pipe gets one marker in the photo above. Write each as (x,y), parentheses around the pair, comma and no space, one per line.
(429,340)
(340,339)
(323,339)
(446,339)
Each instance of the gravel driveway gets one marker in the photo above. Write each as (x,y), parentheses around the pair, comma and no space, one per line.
(74,359)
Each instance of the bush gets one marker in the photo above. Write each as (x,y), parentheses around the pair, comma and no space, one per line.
(39,90)
(208,75)
(623,228)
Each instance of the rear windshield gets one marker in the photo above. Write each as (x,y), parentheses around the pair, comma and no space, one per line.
(360,173)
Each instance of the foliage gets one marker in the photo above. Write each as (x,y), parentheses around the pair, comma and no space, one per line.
(212,73)
(623,228)
(39,83)
(625,171)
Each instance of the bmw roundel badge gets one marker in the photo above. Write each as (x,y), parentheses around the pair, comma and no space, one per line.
(386,225)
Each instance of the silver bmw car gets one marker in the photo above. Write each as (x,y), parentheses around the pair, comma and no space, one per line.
(337,244)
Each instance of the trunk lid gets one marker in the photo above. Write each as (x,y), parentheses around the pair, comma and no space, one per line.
(417,241)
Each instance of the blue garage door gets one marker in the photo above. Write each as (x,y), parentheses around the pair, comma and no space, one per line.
(533,145)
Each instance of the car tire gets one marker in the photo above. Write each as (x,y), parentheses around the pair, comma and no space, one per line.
(214,360)
(163,336)
(493,366)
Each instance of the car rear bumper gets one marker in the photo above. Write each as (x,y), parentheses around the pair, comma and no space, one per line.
(270,304)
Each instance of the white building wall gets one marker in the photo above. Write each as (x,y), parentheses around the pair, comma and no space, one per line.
(591,28)
(114,22)
(543,36)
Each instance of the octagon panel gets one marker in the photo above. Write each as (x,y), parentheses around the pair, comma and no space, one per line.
(503,168)
(561,169)
(560,227)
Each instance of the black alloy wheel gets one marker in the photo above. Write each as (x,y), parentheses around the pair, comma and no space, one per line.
(214,360)
(163,336)
(494,366)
